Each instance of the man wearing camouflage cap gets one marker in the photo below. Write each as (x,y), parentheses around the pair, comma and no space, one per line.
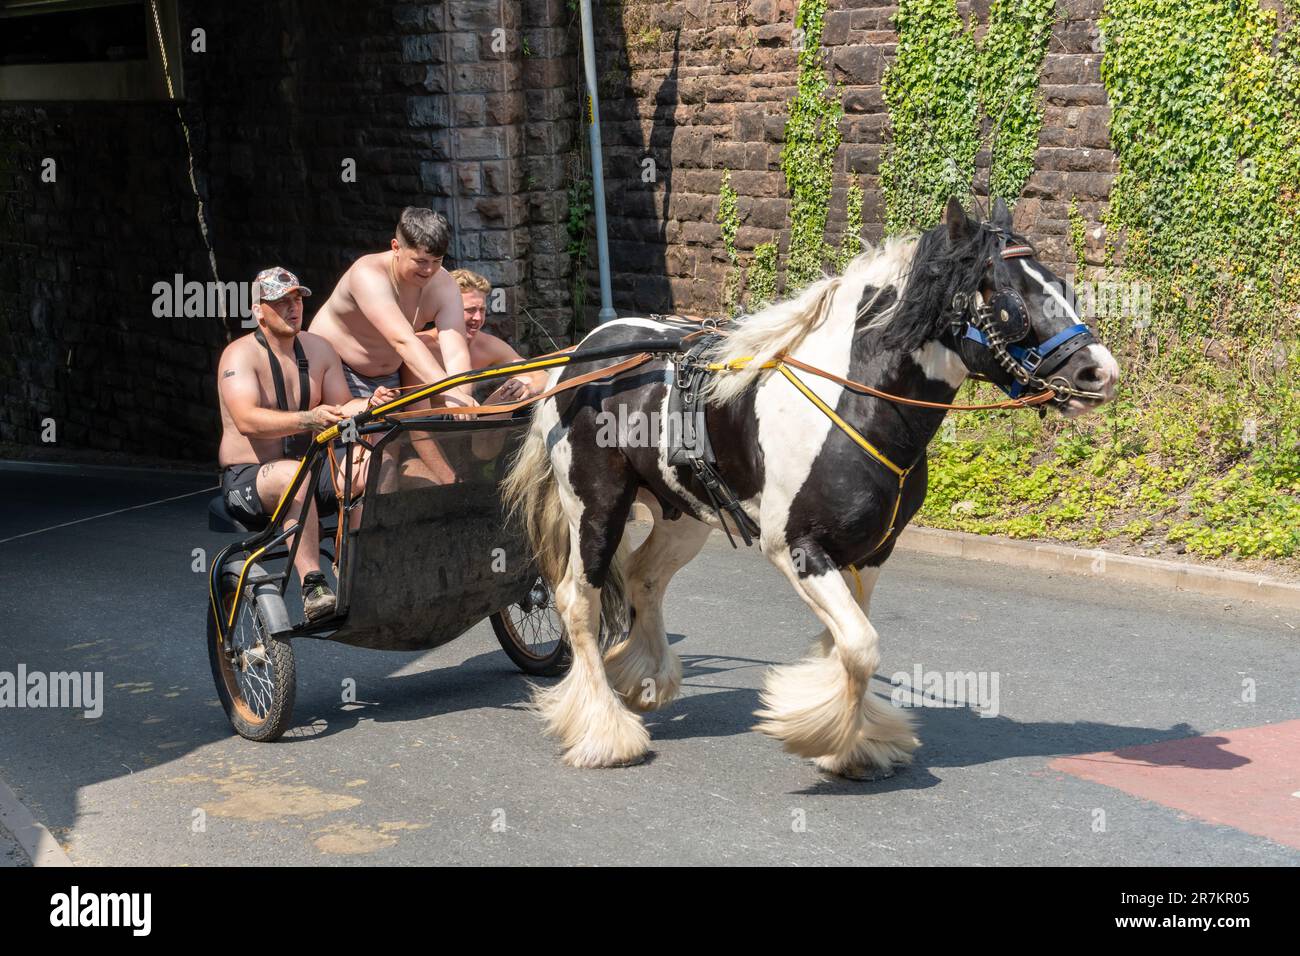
(276,386)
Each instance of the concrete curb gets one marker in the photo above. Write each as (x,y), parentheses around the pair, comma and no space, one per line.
(37,842)
(1148,572)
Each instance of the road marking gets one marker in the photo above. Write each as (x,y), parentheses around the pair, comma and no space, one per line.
(37,842)
(109,514)
(1238,778)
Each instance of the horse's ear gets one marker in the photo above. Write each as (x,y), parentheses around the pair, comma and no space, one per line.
(1001,214)
(959,224)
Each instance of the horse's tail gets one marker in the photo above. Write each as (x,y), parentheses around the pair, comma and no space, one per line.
(531,493)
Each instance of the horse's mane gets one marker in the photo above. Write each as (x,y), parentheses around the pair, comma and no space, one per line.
(781,327)
(939,270)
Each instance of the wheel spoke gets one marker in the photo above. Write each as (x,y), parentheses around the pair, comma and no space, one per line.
(538,631)
(253,669)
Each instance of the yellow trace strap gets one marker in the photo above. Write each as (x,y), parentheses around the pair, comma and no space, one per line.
(735,365)
(844,426)
(857,580)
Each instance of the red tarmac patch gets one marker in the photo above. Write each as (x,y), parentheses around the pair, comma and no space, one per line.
(1248,778)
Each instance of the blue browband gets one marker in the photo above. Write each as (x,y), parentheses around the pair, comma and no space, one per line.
(1036,357)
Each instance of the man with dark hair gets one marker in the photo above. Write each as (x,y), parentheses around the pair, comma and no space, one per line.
(381,302)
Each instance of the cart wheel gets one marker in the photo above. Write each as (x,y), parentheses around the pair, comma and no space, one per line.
(532,634)
(254,672)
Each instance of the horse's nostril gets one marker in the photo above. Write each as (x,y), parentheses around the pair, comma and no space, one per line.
(1092,375)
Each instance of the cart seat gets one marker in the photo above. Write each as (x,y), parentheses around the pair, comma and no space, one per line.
(221,520)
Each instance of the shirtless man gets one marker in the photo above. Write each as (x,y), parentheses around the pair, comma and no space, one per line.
(385,298)
(484,348)
(267,421)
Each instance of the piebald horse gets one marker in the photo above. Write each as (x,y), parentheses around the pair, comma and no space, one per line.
(913,318)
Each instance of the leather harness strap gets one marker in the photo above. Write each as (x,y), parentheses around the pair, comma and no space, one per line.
(592,376)
(1027,402)
(294,445)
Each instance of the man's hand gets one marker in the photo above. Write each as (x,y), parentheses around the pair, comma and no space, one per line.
(321,417)
(514,390)
(458,398)
(382,396)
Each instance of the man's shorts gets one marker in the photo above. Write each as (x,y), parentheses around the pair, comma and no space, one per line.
(363,386)
(239,491)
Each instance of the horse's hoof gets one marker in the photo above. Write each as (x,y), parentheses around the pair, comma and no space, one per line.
(862,772)
(597,755)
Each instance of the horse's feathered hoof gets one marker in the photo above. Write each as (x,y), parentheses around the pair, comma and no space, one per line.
(596,755)
(870,759)
(645,680)
(862,772)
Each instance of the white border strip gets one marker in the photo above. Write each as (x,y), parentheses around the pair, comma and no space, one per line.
(1149,572)
(37,842)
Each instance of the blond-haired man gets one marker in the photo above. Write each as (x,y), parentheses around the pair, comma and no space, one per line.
(484,348)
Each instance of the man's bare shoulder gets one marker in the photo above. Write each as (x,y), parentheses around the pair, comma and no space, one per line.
(317,346)
(494,348)
(366,268)
(238,351)
(311,341)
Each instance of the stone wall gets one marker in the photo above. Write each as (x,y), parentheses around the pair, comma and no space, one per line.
(463,106)
(703,86)
(470,106)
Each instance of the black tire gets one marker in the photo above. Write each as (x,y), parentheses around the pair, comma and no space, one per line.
(255,673)
(532,634)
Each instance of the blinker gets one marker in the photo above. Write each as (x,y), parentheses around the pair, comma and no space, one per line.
(1008,315)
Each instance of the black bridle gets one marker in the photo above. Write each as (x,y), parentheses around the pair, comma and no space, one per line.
(1001,323)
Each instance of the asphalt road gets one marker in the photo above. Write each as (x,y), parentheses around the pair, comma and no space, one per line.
(440,763)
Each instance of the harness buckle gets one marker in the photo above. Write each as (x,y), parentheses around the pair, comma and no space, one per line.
(1031,360)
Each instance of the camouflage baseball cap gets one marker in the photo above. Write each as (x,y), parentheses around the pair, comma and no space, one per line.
(275,283)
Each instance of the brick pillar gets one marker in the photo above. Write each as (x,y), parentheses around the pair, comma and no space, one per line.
(491,82)
(551,129)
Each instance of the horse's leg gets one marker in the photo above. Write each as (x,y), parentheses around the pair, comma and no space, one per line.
(643,668)
(590,720)
(867,577)
(821,707)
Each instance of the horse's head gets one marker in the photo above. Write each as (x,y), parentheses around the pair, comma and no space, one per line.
(1013,321)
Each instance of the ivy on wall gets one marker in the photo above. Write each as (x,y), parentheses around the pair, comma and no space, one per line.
(1205,126)
(1201,450)
(1009,63)
(940,87)
(812,138)
(933,114)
